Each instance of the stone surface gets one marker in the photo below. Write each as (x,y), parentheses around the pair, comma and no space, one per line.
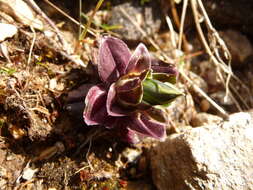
(209,157)
(147,16)
(11,165)
(7,31)
(199,81)
(19,10)
(182,110)
(231,14)
(239,47)
(203,118)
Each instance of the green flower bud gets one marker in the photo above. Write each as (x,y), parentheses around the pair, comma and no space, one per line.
(159,93)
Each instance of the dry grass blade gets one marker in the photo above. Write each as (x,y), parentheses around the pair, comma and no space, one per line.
(181,30)
(80,17)
(32,45)
(173,38)
(177,22)
(83,34)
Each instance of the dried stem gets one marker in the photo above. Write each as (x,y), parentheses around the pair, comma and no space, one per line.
(83,34)
(32,45)
(177,22)
(172,31)
(181,30)
(215,57)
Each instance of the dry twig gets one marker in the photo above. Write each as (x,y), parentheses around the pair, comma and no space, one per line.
(213,50)
(32,45)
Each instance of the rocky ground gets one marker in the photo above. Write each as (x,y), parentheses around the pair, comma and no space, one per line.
(45,65)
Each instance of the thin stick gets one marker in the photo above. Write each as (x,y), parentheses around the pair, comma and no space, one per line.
(220,109)
(90,135)
(174,14)
(80,17)
(182,24)
(240,97)
(210,53)
(177,22)
(100,2)
(172,31)
(87,155)
(32,45)
(226,52)
(217,38)
(189,56)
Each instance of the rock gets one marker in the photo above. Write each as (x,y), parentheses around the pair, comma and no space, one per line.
(26,119)
(19,10)
(148,17)
(208,74)
(227,103)
(138,185)
(131,154)
(238,45)
(11,166)
(28,173)
(76,102)
(199,81)
(204,105)
(231,14)
(182,110)
(7,31)
(203,119)
(209,157)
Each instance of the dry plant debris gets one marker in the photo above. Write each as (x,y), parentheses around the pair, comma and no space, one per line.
(44,79)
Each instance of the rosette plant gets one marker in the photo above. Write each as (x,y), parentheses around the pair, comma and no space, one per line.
(133,91)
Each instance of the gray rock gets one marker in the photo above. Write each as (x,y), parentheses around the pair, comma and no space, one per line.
(202,119)
(147,16)
(209,157)
(239,47)
(182,110)
(231,14)
(200,82)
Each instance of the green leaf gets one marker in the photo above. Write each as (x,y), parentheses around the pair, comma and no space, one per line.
(108,27)
(159,93)
(6,70)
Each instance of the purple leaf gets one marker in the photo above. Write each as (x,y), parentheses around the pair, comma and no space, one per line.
(150,123)
(79,93)
(129,91)
(95,106)
(113,109)
(159,66)
(126,134)
(113,59)
(140,61)
(129,136)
